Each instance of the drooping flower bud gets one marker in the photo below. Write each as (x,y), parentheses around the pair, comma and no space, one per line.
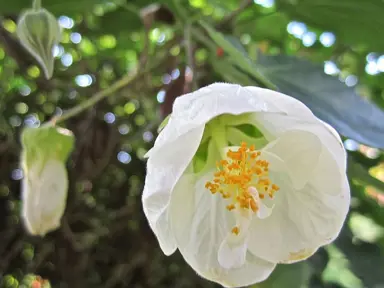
(45,183)
(39,31)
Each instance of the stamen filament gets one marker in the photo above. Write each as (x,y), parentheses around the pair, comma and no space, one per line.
(240,170)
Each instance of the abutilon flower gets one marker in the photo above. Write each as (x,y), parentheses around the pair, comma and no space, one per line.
(243,178)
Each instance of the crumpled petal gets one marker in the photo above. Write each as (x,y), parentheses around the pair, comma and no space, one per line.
(200,223)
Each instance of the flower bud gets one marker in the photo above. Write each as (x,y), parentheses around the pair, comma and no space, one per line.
(45,182)
(38,31)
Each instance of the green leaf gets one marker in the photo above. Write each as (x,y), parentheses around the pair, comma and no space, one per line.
(353,21)
(291,275)
(230,73)
(338,271)
(328,98)
(264,27)
(57,7)
(366,260)
(360,178)
(357,171)
(236,56)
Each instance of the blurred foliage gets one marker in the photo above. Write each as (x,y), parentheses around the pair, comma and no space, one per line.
(326,53)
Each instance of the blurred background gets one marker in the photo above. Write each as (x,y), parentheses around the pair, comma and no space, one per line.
(326,53)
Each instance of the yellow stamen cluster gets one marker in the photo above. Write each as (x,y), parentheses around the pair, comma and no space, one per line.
(242,169)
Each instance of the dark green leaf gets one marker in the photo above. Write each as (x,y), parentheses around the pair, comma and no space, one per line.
(357,171)
(329,99)
(366,261)
(271,27)
(354,21)
(289,276)
(235,55)
(360,179)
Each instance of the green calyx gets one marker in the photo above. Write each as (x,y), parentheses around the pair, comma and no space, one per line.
(223,131)
(41,144)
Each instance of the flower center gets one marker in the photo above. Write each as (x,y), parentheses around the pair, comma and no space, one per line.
(243,180)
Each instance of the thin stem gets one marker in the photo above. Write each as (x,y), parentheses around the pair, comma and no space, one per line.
(244,5)
(183,15)
(190,56)
(36,4)
(124,81)
(203,39)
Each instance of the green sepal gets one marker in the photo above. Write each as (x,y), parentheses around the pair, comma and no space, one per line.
(235,136)
(206,159)
(41,144)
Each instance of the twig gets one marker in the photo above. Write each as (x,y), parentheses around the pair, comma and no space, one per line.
(5,261)
(7,238)
(119,84)
(244,5)
(68,234)
(46,249)
(190,57)
(121,271)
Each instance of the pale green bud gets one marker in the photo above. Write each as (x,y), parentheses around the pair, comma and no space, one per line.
(39,31)
(45,183)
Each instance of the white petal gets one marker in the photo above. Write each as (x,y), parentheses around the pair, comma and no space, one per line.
(283,103)
(273,125)
(197,108)
(164,168)
(233,249)
(300,150)
(44,194)
(302,220)
(264,211)
(232,255)
(200,223)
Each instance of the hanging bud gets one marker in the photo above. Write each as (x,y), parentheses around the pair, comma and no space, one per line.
(39,31)
(45,183)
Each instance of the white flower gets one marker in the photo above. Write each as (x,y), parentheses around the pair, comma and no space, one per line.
(45,183)
(243,178)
